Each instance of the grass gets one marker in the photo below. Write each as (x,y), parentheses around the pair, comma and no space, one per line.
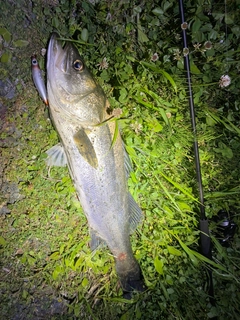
(45,237)
(47,269)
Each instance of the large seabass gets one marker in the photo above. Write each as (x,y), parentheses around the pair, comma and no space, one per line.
(99,172)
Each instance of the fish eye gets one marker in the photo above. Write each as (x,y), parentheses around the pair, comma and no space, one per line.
(78,65)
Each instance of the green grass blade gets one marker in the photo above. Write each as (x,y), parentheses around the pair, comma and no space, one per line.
(154,68)
(178,186)
(115,134)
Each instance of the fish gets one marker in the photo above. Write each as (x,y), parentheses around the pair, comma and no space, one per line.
(38,79)
(98,166)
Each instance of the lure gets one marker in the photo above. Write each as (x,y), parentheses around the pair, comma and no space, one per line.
(38,79)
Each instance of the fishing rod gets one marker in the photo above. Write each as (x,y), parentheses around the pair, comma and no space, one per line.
(205,240)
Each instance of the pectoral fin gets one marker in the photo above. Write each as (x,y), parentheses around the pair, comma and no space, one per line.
(85,148)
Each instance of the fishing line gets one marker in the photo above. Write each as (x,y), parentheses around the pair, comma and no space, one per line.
(205,241)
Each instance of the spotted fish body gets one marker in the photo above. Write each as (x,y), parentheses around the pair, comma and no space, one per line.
(78,108)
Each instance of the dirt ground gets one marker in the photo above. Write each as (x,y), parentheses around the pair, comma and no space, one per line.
(21,297)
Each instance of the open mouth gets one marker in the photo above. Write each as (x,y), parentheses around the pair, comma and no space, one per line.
(57,54)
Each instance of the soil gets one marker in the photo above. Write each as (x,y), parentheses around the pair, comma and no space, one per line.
(21,297)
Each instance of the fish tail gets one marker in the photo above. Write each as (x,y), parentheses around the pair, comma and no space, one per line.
(130,276)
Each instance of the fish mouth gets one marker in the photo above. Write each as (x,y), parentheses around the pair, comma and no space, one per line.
(58,55)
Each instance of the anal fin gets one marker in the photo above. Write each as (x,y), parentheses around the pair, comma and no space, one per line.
(96,241)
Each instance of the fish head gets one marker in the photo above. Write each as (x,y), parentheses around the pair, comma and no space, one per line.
(71,87)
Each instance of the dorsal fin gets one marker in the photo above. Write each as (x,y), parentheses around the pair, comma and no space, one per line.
(127,162)
(136,215)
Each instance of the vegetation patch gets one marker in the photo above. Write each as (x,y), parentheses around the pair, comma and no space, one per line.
(134,50)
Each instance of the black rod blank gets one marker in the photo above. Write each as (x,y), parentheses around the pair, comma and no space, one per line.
(205,241)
